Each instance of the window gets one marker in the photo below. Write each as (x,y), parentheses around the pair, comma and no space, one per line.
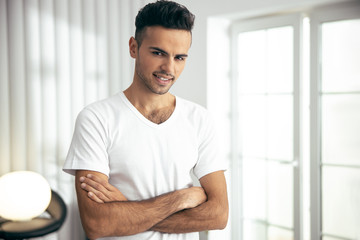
(335,129)
(267,99)
(297,170)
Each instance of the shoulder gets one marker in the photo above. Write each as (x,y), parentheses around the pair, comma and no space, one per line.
(100,114)
(192,109)
(102,109)
(105,105)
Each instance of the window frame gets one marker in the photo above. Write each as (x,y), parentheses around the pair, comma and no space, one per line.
(330,13)
(294,20)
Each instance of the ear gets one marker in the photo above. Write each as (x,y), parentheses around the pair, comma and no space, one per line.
(133,47)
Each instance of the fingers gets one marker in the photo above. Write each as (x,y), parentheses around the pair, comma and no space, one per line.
(101,189)
(93,197)
(94,189)
(100,184)
(95,182)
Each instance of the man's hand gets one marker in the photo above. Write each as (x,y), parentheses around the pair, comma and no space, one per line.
(211,215)
(100,190)
(194,196)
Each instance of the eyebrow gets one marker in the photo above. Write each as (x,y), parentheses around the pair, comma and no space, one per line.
(164,52)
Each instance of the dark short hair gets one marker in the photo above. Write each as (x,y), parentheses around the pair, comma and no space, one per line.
(167,14)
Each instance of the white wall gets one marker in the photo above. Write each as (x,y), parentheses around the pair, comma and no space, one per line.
(193,83)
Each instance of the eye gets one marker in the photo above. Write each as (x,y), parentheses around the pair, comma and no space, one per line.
(180,58)
(157,53)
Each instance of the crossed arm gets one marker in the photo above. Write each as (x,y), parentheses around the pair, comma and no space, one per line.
(187,210)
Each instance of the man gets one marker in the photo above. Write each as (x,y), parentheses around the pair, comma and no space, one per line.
(132,153)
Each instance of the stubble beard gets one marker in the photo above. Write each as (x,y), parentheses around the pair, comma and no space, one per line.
(149,85)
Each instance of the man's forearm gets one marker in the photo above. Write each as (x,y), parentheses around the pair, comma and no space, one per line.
(207,216)
(127,218)
(131,217)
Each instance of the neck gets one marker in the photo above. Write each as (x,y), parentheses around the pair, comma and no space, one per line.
(146,101)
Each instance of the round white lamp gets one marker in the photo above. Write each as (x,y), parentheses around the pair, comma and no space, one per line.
(24,195)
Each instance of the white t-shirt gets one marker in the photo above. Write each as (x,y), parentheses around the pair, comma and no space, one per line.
(141,158)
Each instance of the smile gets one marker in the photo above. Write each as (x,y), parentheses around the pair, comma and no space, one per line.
(164,77)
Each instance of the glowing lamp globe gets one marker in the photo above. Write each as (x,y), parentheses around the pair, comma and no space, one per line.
(24,195)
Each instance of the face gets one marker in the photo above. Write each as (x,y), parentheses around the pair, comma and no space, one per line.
(161,57)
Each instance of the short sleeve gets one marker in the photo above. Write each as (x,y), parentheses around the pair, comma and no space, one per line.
(88,149)
(209,158)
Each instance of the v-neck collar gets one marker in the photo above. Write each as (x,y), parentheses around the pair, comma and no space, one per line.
(143,118)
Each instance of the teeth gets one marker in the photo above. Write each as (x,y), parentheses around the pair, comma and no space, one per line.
(164,78)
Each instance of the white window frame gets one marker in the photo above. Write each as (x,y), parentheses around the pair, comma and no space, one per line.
(337,12)
(294,20)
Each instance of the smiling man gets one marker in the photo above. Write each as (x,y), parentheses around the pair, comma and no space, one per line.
(133,153)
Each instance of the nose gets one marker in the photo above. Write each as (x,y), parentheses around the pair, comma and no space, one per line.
(168,66)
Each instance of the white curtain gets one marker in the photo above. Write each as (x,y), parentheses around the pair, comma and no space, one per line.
(56,56)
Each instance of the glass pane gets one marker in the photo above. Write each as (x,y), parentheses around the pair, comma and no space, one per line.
(280,234)
(254,188)
(280,194)
(280,59)
(265,68)
(265,60)
(340,201)
(253,126)
(254,231)
(280,127)
(341,56)
(341,129)
(252,61)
